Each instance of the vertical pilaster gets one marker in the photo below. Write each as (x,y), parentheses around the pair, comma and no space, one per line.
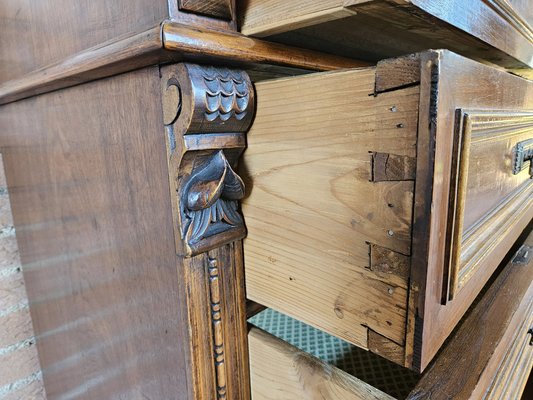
(207,112)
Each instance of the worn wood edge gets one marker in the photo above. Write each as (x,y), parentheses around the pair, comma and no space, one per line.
(386,348)
(301,21)
(168,42)
(428,67)
(514,285)
(240,49)
(394,73)
(317,379)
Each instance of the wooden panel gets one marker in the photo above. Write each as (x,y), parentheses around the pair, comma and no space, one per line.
(449,82)
(490,196)
(87,173)
(312,209)
(38,33)
(374,29)
(281,371)
(20,372)
(489,342)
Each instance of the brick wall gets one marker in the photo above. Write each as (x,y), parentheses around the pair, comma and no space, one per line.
(20,374)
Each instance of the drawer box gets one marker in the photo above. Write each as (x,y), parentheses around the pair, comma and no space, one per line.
(497,354)
(382,199)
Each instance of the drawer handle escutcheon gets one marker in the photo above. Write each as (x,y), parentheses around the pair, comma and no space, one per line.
(522,154)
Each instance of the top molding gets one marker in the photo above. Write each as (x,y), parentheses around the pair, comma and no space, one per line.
(170,42)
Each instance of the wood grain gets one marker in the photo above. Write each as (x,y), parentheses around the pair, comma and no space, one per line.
(36,34)
(281,371)
(179,42)
(312,208)
(87,173)
(376,29)
(113,57)
(238,48)
(513,372)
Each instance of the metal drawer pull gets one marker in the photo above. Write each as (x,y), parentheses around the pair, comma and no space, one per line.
(522,154)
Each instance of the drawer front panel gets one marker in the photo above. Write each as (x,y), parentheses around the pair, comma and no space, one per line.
(493,187)
(470,204)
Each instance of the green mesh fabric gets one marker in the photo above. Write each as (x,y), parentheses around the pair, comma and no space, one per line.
(378,372)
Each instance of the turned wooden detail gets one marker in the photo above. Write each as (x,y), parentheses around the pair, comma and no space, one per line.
(218,335)
(207,112)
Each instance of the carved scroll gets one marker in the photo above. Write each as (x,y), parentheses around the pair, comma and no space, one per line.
(207,112)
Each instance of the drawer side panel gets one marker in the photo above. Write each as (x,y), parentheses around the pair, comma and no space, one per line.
(314,212)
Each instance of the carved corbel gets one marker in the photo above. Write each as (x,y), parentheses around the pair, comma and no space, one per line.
(207,112)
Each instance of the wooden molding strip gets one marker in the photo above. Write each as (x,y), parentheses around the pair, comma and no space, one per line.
(170,42)
(241,49)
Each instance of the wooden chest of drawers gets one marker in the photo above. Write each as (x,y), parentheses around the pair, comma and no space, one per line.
(143,140)
(382,199)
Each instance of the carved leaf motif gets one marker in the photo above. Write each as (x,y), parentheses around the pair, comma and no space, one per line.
(211,198)
(205,185)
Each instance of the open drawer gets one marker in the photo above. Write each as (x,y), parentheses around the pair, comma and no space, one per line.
(289,360)
(382,199)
